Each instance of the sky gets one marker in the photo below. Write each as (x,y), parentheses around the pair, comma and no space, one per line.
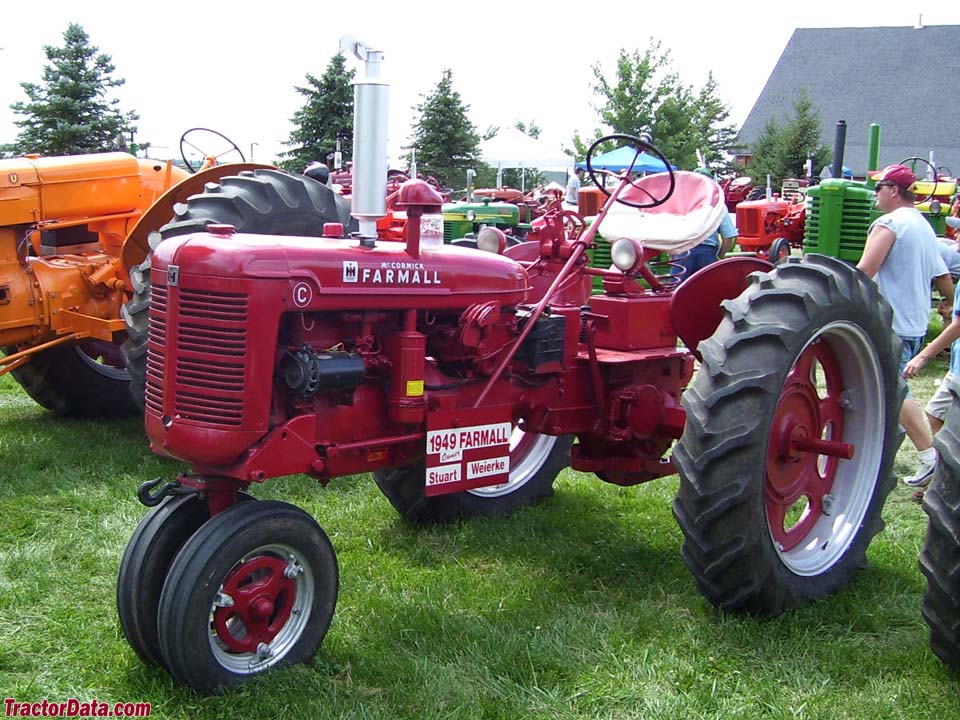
(233,67)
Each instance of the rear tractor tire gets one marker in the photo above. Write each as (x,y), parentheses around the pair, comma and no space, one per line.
(83,380)
(535,462)
(801,372)
(940,559)
(267,202)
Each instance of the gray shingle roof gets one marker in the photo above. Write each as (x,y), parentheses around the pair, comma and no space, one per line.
(906,79)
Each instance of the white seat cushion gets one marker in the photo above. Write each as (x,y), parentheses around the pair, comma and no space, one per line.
(692,213)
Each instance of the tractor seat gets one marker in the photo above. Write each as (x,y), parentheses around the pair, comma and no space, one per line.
(686,219)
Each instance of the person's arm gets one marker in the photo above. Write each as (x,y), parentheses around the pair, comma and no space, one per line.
(936,346)
(879,242)
(726,244)
(728,234)
(944,284)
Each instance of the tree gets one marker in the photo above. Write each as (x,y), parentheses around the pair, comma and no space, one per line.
(326,115)
(647,96)
(782,152)
(69,113)
(446,143)
(531,128)
(711,120)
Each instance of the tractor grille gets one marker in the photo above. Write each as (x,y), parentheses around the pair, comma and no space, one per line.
(749,221)
(854,224)
(447,232)
(838,220)
(211,357)
(157,341)
(600,256)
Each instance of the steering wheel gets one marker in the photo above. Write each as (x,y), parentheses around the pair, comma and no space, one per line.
(929,164)
(209,140)
(573,224)
(641,146)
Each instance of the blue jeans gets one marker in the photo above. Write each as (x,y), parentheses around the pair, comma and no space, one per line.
(911,346)
(699,257)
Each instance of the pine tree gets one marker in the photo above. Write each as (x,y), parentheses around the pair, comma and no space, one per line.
(445,141)
(782,152)
(69,113)
(326,115)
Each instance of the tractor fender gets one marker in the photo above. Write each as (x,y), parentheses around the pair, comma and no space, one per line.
(695,309)
(136,245)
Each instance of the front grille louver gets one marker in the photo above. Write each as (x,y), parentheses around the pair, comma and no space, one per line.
(211,355)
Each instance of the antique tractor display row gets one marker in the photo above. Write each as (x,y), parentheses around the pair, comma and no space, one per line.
(465,379)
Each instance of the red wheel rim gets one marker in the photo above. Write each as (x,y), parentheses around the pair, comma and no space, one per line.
(263,598)
(805,446)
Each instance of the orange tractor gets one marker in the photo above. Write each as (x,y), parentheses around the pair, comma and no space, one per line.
(72,229)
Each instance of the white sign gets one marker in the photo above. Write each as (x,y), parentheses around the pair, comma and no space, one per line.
(490,466)
(443,475)
(468,438)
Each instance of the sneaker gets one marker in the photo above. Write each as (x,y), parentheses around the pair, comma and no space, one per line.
(923,475)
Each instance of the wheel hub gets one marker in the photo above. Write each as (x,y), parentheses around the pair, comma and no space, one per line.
(263,597)
(805,446)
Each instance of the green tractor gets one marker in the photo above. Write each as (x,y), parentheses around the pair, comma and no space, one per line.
(465,219)
(839,211)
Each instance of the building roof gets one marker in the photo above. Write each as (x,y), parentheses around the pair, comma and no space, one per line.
(906,79)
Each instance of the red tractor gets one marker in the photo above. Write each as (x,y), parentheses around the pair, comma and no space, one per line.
(465,380)
(736,189)
(770,228)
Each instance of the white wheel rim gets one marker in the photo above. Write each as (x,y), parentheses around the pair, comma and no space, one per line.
(522,469)
(250,663)
(854,480)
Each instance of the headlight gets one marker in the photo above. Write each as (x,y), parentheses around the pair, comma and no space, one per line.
(624,254)
(471,215)
(491,239)
(935,207)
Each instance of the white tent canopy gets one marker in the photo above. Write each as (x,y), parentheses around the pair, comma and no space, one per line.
(511,148)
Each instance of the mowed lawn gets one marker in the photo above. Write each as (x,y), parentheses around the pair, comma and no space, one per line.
(578,608)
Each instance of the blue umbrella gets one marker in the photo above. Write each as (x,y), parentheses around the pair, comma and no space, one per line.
(620,159)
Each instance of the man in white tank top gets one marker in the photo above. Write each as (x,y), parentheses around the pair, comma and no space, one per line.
(901,253)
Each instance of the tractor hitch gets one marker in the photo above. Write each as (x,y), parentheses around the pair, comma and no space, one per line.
(174,487)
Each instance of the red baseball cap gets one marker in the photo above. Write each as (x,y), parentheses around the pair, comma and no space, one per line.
(899,175)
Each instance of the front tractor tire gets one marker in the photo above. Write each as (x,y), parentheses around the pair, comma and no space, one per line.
(535,462)
(265,202)
(253,588)
(940,559)
(143,569)
(801,373)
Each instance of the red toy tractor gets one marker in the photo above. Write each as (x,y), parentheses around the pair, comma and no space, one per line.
(461,378)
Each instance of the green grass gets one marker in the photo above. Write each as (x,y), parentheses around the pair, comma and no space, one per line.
(578,608)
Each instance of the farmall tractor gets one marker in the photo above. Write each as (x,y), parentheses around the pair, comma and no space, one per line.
(465,379)
(72,231)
